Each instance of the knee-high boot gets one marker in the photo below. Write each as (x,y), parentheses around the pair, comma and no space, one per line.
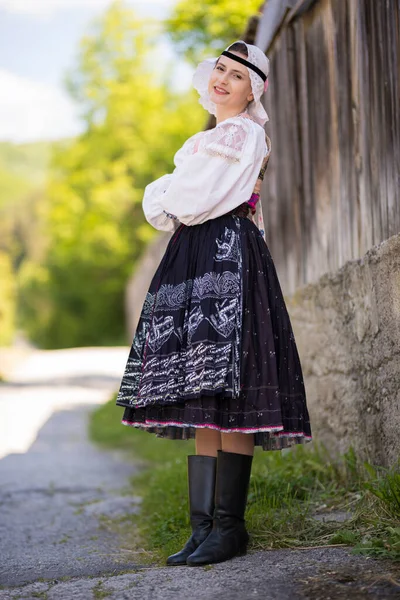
(229,536)
(201,481)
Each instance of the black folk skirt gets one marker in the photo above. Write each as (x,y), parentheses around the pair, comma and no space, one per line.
(214,346)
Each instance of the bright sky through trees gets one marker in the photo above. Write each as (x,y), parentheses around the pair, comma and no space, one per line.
(38,43)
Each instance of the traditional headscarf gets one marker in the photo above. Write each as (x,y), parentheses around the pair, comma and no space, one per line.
(258,67)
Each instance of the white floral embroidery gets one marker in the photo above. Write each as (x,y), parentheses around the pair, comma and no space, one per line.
(210,285)
(160,332)
(224,320)
(195,318)
(227,140)
(228,246)
(154,376)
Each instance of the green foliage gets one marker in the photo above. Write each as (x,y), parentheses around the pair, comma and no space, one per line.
(297,475)
(22,176)
(344,536)
(95,227)
(205,28)
(164,518)
(385,485)
(7,300)
(384,543)
(23,171)
(379,513)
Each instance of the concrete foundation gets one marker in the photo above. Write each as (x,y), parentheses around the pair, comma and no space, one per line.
(347,330)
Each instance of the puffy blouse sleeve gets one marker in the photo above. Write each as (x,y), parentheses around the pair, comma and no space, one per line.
(217,174)
(154,213)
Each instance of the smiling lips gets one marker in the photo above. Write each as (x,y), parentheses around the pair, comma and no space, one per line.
(220,90)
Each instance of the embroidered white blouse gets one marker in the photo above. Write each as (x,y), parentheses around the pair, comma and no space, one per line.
(215,171)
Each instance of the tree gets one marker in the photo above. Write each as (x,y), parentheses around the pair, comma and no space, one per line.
(7,300)
(205,28)
(95,224)
(22,176)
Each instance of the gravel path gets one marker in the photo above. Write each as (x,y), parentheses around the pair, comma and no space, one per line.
(54,490)
(56,487)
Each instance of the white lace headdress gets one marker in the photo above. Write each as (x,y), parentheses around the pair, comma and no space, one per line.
(258,59)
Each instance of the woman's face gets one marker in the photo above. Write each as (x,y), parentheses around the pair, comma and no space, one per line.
(233,79)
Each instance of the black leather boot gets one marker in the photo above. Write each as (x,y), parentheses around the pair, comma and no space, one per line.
(201,480)
(229,536)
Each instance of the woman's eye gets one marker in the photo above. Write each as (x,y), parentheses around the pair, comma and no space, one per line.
(221,69)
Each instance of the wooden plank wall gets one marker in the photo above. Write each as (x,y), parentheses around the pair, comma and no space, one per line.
(332,189)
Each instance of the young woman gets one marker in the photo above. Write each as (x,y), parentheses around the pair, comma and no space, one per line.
(214,356)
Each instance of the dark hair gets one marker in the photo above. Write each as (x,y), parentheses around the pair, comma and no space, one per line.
(239,47)
(236,47)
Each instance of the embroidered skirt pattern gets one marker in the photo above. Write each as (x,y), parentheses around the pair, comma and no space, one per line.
(214,346)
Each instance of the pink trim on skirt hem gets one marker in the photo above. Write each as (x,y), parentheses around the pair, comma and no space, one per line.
(275,429)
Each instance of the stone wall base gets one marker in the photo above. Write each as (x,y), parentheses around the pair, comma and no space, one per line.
(347,330)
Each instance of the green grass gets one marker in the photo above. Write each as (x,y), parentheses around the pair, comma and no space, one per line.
(105,428)
(286,490)
(99,592)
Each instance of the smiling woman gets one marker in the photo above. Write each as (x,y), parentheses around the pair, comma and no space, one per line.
(229,84)
(214,355)
(227,73)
